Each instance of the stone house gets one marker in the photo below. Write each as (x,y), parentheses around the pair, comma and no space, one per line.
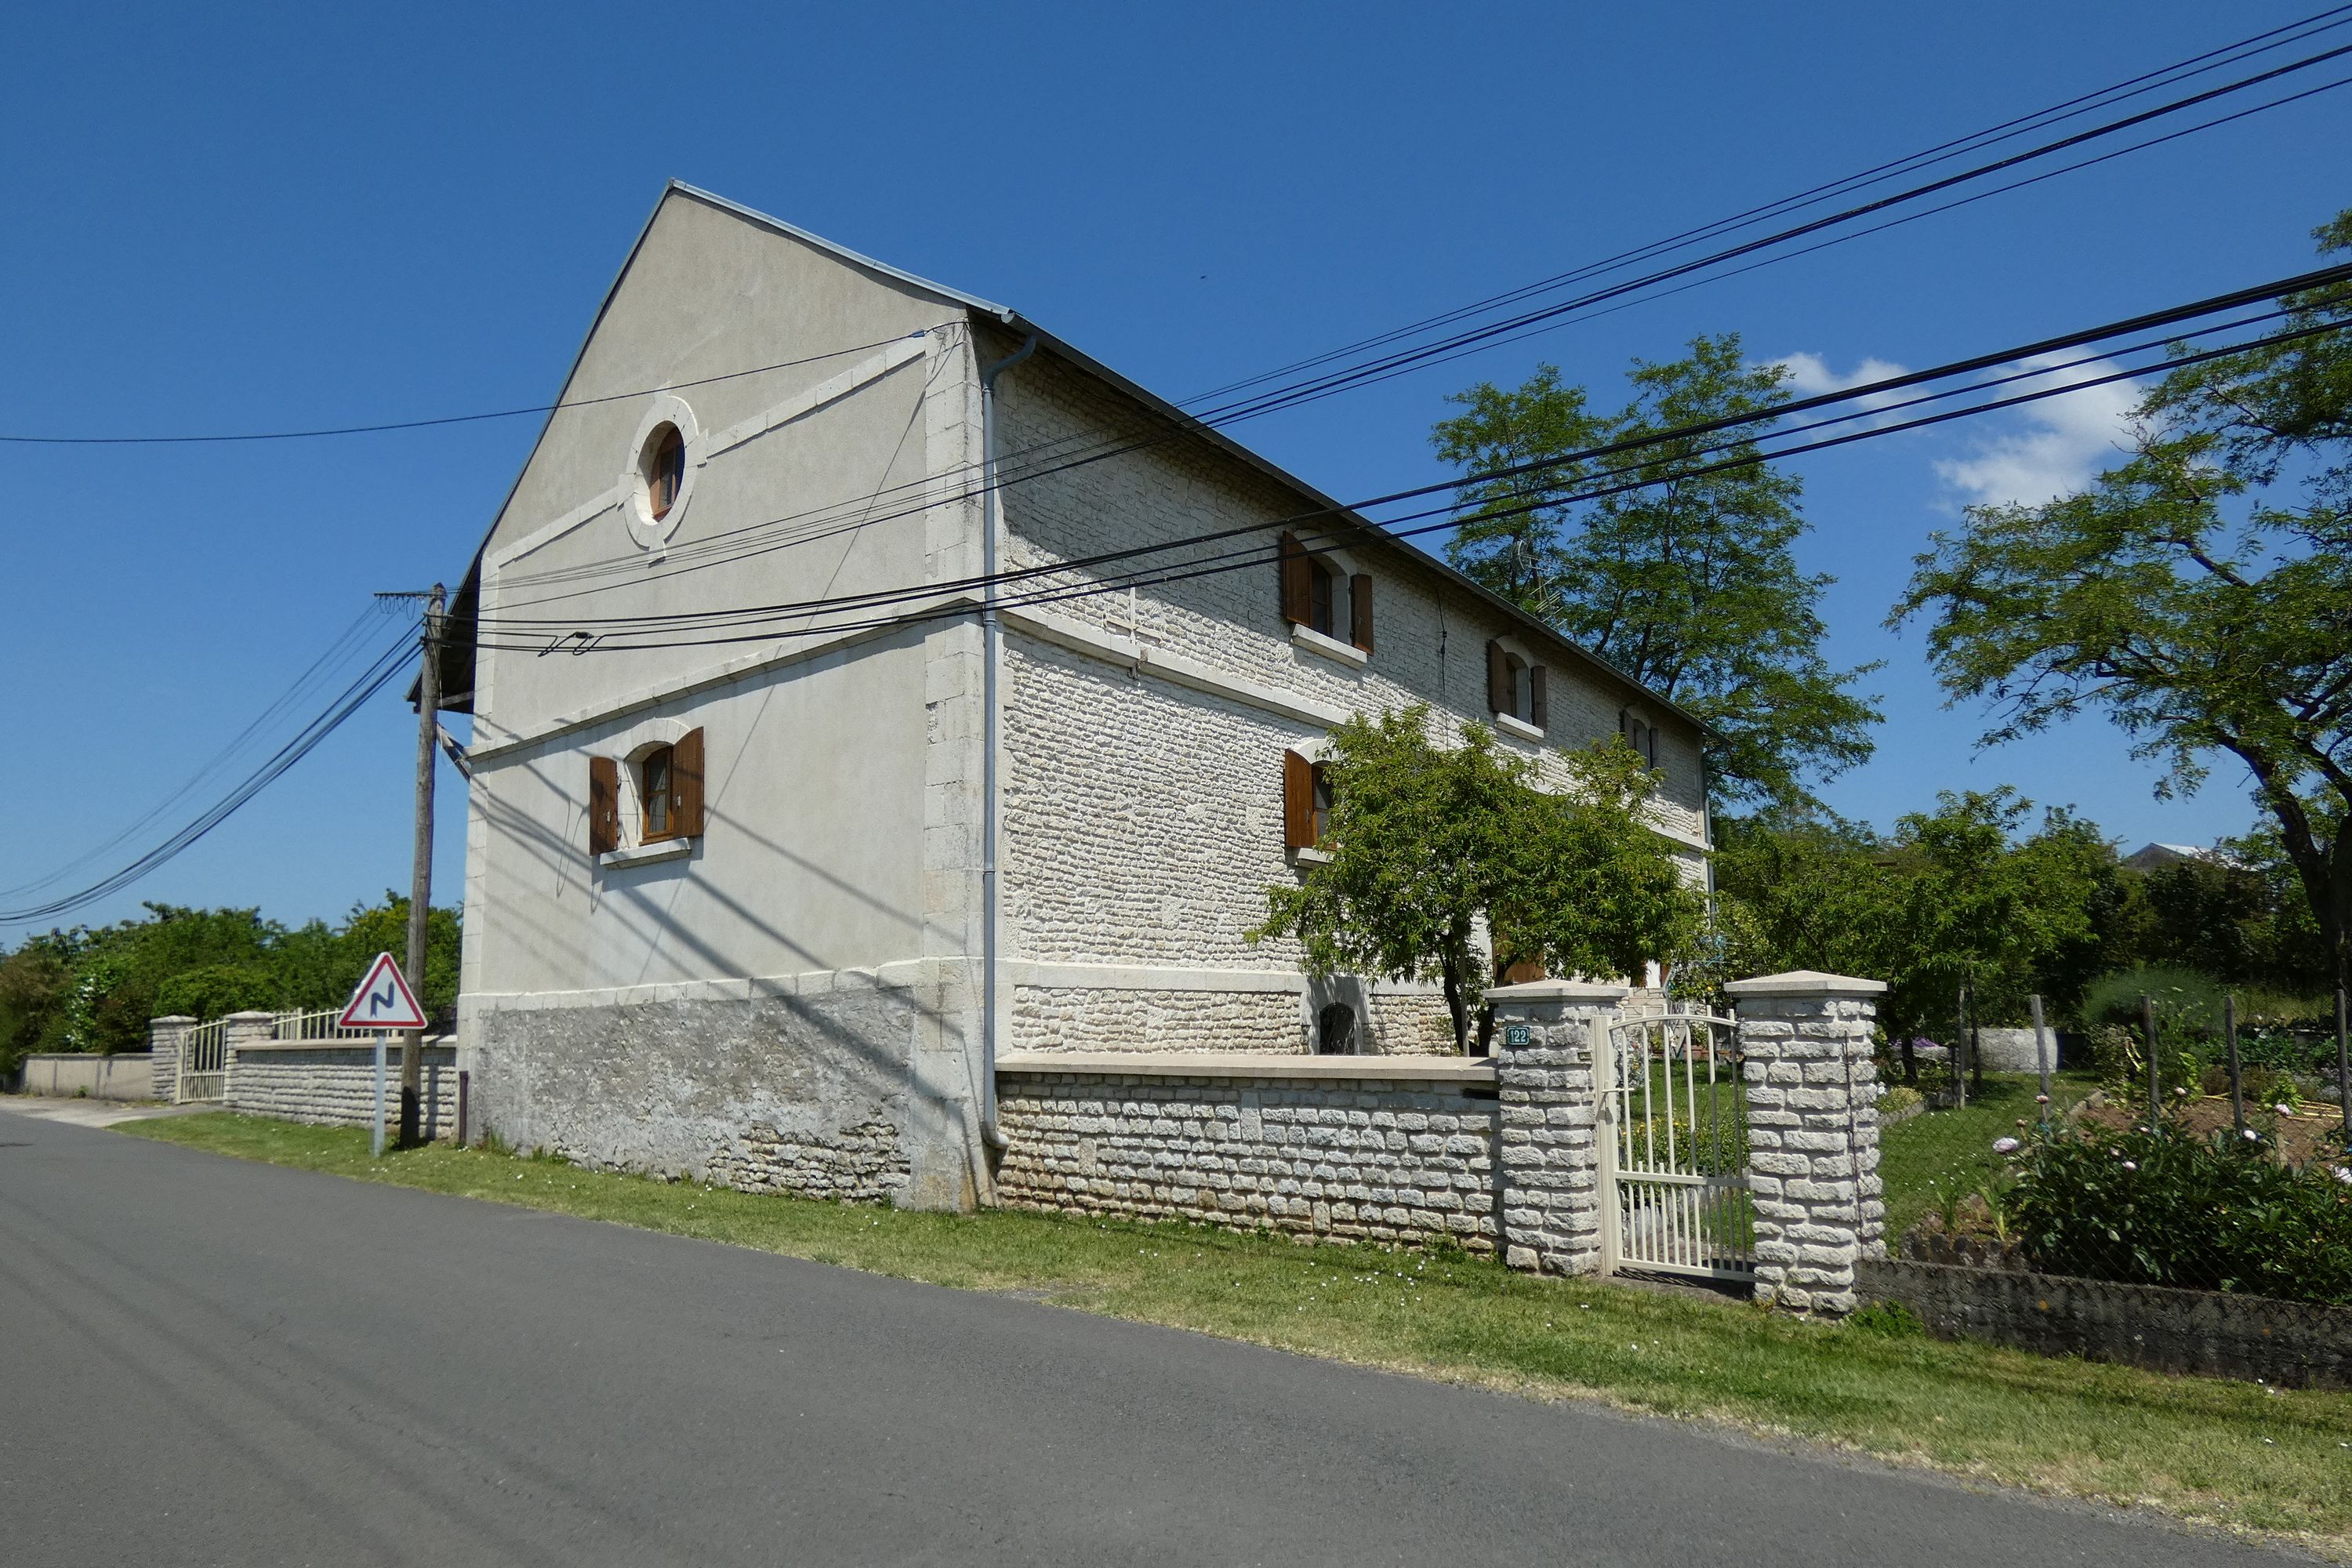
(767,898)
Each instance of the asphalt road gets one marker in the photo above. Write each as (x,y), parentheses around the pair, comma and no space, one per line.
(208,1361)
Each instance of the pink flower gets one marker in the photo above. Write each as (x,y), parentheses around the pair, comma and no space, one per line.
(2004,1145)
(2040,1099)
(2344,1174)
(2252,1136)
(2131,1165)
(2283,1110)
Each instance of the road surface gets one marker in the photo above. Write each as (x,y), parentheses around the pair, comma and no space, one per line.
(210,1362)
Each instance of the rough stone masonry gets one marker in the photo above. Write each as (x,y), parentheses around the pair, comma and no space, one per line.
(1812,1135)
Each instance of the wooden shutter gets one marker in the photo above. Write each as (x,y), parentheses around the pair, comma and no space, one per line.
(603,804)
(1538,704)
(686,785)
(1360,610)
(1297,801)
(1297,582)
(1500,697)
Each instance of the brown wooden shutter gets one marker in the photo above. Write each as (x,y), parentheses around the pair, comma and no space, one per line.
(1297,801)
(686,785)
(1298,584)
(603,804)
(1538,704)
(1500,697)
(1360,610)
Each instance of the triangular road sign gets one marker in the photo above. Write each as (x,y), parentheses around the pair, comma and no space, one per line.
(383,1000)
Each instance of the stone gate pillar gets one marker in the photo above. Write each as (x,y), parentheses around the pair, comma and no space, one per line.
(1547,1163)
(164,1037)
(1812,1134)
(239,1031)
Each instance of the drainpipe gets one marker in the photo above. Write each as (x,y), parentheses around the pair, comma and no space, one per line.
(991,634)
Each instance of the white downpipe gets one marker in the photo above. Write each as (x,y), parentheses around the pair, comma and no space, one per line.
(992,632)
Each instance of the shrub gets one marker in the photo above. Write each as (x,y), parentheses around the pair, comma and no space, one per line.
(2188,1003)
(2160,1206)
(215,990)
(1889,1319)
(1899,1097)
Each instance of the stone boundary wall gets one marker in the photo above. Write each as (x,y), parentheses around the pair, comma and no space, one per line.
(70,1074)
(2294,1344)
(330,1084)
(1331,1154)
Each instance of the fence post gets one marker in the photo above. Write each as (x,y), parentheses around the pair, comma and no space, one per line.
(239,1030)
(1549,1034)
(166,1036)
(2237,1078)
(1812,1134)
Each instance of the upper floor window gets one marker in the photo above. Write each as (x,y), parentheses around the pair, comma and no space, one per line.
(1322,595)
(1306,801)
(1516,687)
(664,466)
(654,797)
(1643,737)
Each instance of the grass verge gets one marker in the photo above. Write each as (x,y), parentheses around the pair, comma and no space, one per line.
(2236,1454)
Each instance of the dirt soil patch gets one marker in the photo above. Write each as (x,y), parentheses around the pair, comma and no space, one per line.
(2313,1135)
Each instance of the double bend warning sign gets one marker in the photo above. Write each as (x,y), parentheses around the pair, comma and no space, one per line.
(383,1000)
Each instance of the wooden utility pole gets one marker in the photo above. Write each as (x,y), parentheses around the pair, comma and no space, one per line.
(420,879)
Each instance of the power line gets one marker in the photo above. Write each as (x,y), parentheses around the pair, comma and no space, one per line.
(692,560)
(2143,322)
(1260,555)
(380,672)
(451,418)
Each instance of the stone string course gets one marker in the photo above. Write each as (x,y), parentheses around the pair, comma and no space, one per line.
(1367,1159)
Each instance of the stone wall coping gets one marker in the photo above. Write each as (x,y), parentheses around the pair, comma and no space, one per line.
(1249,1064)
(248,1015)
(172,1018)
(1802,983)
(81,1056)
(1558,991)
(365,1048)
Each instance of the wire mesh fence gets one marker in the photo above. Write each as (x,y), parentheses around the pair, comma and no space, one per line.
(2206,1160)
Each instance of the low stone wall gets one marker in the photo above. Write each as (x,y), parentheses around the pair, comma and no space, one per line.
(1351,1148)
(78,1075)
(2291,1343)
(333,1084)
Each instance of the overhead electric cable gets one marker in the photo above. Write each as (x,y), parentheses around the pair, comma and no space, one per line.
(2145,321)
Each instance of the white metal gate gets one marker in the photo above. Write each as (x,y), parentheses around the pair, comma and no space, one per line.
(1674,1148)
(204,1065)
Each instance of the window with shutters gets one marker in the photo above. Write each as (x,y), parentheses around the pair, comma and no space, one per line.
(1639,734)
(1518,688)
(1306,801)
(650,798)
(1321,591)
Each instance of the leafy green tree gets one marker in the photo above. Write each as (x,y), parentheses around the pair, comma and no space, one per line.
(1431,847)
(1689,584)
(2199,593)
(36,987)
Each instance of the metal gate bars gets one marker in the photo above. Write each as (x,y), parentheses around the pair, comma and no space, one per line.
(203,1075)
(1674,1149)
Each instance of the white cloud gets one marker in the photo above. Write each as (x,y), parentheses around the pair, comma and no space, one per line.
(2067,441)
(1810,376)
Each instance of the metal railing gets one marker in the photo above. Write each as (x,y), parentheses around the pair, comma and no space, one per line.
(318,1025)
(203,1075)
(1676,1145)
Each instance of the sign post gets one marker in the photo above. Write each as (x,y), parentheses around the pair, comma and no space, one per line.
(382,1003)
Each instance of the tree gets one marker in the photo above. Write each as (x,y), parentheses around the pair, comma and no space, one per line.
(1431,847)
(2199,593)
(1688,585)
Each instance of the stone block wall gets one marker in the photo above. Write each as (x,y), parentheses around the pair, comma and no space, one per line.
(163,1037)
(333,1084)
(1353,1157)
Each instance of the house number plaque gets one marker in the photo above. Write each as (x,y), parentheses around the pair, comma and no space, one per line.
(1518,1035)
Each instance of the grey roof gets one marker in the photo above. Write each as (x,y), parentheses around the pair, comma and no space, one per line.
(1012,319)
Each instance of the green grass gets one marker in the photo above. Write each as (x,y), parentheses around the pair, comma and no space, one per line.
(2232,1453)
(1951,1150)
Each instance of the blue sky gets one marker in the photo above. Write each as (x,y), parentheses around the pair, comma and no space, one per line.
(236,218)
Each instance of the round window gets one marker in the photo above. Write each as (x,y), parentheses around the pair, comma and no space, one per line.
(663,465)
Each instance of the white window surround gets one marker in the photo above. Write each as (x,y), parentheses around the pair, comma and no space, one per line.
(646,854)
(1332,648)
(1519,729)
(652,532)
